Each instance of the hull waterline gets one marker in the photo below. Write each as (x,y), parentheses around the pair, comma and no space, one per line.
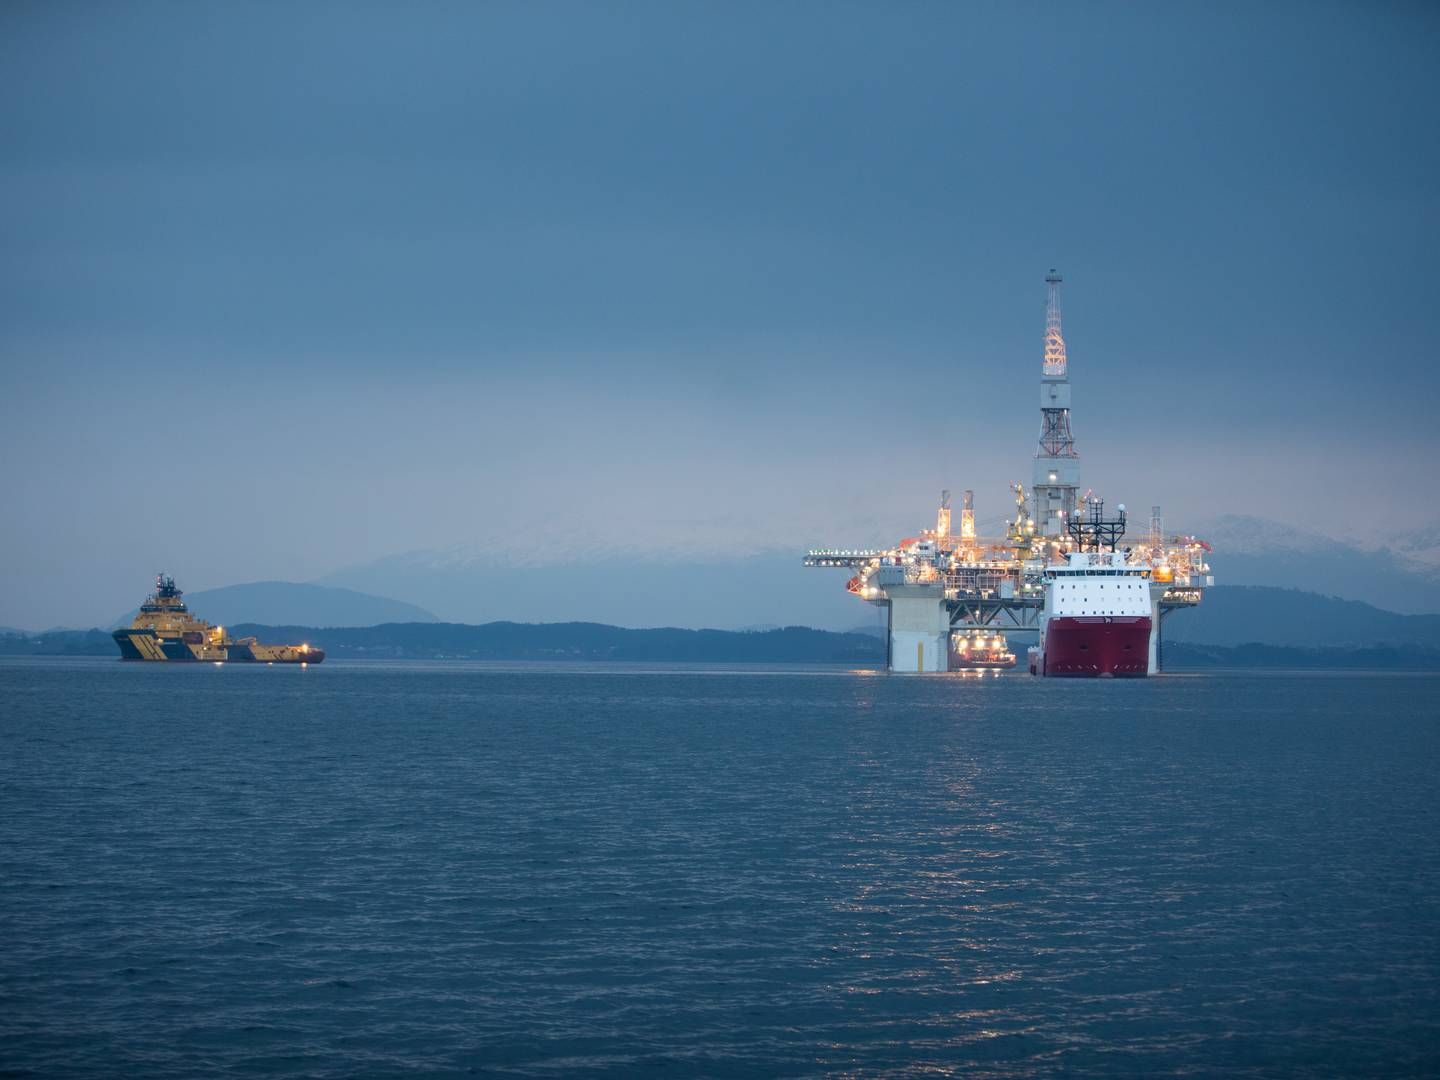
(1094,647)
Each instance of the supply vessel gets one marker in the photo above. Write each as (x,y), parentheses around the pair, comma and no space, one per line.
(975,649)
(1097,610)
(163,629)
(1095,620)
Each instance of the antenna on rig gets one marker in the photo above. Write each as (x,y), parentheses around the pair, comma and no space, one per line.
(1092,530)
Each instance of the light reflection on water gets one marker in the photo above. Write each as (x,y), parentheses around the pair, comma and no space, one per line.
(544,872)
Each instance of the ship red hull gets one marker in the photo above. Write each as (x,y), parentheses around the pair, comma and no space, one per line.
(1095,646)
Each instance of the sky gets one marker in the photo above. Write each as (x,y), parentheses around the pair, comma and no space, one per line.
(285,289)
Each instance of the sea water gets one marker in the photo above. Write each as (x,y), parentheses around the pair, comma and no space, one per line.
(459,869)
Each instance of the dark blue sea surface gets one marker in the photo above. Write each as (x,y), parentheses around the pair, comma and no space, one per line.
(459,869)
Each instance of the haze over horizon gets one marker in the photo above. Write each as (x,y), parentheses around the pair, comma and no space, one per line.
(289,290)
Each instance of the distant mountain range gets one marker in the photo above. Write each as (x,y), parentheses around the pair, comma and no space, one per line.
(786,645)
(596,643)
(480,583)
(1403,576)
(1277,585)
(1419,546)
(1237,614)
(582,641)
(58,643)
(755,590)
(291,602)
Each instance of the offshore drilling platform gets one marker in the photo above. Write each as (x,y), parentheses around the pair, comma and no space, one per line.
(1095,595)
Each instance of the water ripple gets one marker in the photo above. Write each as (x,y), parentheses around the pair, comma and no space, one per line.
(468,870)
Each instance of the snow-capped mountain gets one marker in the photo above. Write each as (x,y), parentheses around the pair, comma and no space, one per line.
(289,603)
(1257,551)
(565,577)
(469,583)
(1422,546)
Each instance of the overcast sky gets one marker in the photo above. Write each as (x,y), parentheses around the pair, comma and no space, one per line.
(286,288)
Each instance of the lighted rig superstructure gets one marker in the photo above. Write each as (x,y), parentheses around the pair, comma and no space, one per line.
(941,587)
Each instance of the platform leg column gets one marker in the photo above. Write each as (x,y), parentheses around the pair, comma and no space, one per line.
(1152,660)
(889,636)
(919,637)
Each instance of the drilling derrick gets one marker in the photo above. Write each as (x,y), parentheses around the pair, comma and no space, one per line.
(942,517)
(1057,465)
(967,520)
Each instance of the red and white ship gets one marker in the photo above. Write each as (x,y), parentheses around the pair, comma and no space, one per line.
(1097,613)
(1096,619)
